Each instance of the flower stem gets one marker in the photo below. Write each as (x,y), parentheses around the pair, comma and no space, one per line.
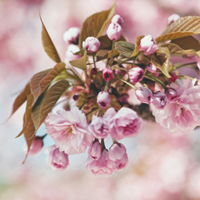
(111,57)
(155,79)
(93,56)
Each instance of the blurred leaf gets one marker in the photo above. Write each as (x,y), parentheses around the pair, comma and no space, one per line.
(80,62)
(125,48)
(96,24)
(21,98)
(161,60)
(40,81)
(48,45)
(184,26)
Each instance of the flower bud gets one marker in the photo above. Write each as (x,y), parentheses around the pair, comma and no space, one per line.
(143,94)
(103,99)
(108,74)
(136,74)
(159,100)
(57,160)
(118,155)
(173,18)
(91,44)
(95,150)
(117,19)
(148,45)
(75,97)
(36,146)
(173,77)
(72,35)
(171,94)
(114,31)
(93,71)
(151,68)
(70,52)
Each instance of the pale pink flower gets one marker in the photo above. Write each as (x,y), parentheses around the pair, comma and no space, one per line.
(114,31)
(101,166)
(159,100)
(69,130)
(117,154)
(36,146)
(99,126)
(117,19)
(151,68)
(171,94)
(148,45)
(173,18)
(136,74)
(143,94)
(126,123)
(57,160)
(182,113)
(103,99)
(91,44)
(72,35)
(108,74)
(95,150)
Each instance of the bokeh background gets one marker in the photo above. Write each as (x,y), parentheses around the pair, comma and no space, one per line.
(161,166)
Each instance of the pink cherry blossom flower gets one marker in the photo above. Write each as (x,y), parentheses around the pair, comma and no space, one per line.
(91,44)
(159,100)
(72,35)
(57,160)
(182,113)
(171,93)
(69,130)
(126,123)
(173,18)
(148,45)
(114,31)
(136,74)
(151,68)
(99,126)
(36,146)
(103,99)
(117,19)
(95,150)
(101,166)
(143,94)
(108,74)
(117,154)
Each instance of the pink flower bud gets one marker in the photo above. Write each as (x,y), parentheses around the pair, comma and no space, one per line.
(148,45)
(173,18)
(70,52)
(36,146)
(114,31)
(72,35)
(117,154)
(75,97)
(151,68)
(173,77)
(136,74)
(95,150)
(91,44)
(103,99)
(57,160)
(171,94)
(93,71)
(108,74)
(159,100)
(144,94)
(117,19)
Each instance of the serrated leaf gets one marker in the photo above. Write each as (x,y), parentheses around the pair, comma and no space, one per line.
(21,98)
(125,48)
(40,85)
(48,45)
(161,60)
(80,62)
(96,24)
(184,26)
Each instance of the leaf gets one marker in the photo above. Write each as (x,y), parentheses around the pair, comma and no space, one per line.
(184,26)
(96,24)
(21,98)
(42,84)
(80,62)
(125,48)
(48,45)
(188,42)
(161,60)
(137,43)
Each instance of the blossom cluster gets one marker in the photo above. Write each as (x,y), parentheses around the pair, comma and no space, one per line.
(99,102)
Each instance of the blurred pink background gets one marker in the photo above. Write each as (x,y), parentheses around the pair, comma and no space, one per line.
(161,166)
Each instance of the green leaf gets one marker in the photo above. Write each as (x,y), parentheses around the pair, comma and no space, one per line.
(125,48)
(184,26)
(48,45)
(80,62)
(96,24)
